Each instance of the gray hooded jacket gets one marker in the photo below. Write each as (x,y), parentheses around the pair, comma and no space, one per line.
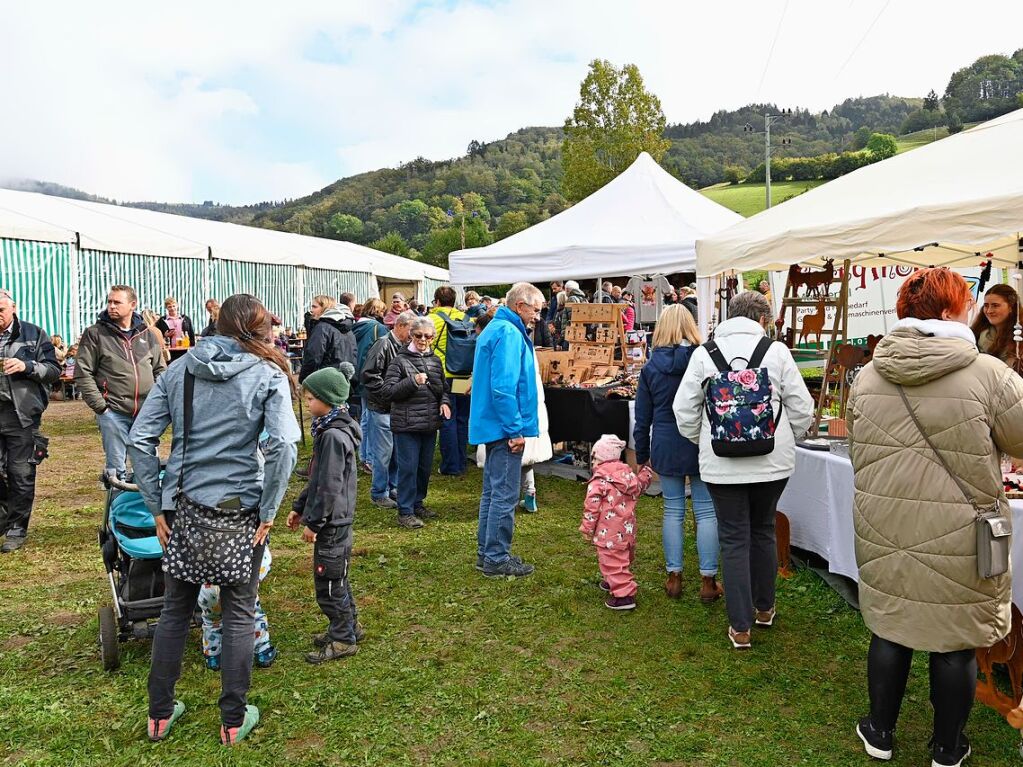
(241,406)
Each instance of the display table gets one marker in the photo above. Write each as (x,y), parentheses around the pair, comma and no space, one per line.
(582,415)
(818,502)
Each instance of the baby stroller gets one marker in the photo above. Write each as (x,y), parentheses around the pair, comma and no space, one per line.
(133,559)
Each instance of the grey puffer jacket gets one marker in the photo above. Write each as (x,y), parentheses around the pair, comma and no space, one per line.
(415,407)
(30,389)
(916,544)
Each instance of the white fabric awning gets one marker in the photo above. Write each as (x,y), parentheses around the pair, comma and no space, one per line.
(945,204)
(30,216)
(644,221)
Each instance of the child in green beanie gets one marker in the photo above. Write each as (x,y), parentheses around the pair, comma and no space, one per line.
(326,509)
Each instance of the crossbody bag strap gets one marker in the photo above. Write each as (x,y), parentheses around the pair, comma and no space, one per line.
(920,428)
(189,392)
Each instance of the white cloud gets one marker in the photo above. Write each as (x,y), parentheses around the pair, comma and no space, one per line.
(194,101)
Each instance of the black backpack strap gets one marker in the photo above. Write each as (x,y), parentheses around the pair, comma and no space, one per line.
(717,357)
(758,352)
(189,392)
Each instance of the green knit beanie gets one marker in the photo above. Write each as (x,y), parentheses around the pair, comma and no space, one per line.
(330,385)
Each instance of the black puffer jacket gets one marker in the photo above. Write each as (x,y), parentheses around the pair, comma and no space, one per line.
(374,369)
(331,342)
(415,408)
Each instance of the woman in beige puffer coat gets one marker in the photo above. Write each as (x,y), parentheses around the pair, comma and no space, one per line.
(916,543)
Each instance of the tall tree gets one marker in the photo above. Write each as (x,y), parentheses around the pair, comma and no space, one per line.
(616,119)
(931,101)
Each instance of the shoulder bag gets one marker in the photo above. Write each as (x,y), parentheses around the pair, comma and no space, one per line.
(993,527)
(208,544)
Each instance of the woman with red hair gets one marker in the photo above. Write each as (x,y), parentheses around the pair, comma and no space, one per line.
(929,400)
(994,323)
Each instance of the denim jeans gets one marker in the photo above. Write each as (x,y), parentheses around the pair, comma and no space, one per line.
(674,490)
(385,467)
(749,554)
(114,428)
(366,446)
(238,606)
(454,436)
(414,453)
(502,479)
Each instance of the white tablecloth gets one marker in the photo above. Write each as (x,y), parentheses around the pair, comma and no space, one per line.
(818,501)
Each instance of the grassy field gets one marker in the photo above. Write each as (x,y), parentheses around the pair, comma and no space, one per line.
(747,199)
(456,669)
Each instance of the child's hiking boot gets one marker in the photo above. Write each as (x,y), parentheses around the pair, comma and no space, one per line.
(158,729)
(877,743)
(528,504)
(320,640)
(620,603)
(410,521)
(265,658)
(231,736)
(331,651)
(213,662)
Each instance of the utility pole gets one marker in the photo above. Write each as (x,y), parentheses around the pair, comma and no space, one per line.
(769,120)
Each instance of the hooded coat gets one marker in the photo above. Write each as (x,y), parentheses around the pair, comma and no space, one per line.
(331,341)
(328,500)
(609,511)
(656,434)
(240,401)
(916,543)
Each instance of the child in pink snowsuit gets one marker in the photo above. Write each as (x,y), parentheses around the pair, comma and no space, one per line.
(609,518)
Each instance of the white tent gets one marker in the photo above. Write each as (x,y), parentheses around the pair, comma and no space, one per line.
(946,204)
(644,221)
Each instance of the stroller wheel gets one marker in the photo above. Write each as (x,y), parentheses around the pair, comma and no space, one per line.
(110,648)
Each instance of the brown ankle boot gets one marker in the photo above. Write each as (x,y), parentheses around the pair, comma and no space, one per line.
(710,589)
(673,586)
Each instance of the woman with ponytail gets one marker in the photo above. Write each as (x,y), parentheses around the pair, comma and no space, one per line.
(241,406)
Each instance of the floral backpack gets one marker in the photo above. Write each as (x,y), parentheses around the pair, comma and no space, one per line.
(739,407)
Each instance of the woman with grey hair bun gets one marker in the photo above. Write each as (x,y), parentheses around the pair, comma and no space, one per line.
(414,385)
(746,489)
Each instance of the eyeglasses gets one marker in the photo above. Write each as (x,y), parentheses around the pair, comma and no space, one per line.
(422,336)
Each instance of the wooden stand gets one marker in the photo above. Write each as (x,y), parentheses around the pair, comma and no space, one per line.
(597,347)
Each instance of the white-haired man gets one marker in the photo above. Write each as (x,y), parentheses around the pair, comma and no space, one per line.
(504,411)
(29,368)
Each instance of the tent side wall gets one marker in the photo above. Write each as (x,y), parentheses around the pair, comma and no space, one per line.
(153,277)
(328,282)
(273,284)
(38,275)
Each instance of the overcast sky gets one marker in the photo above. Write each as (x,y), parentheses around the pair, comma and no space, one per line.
(242,102)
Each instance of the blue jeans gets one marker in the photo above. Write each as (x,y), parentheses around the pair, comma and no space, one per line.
(113,429)
(502,479)
(674,490)
(454,436)
(414,452)
(385,470)
(366,446)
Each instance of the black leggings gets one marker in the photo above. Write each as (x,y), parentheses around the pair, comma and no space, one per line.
(953,683)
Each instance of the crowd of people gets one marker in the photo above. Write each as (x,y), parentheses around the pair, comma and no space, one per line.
(928,420)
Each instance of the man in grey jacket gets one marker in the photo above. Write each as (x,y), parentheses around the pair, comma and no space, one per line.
(28,367)
(379,436)
(119,359)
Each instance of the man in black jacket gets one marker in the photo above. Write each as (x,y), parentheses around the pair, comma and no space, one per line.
(331,340)
(379,436)
(29,370)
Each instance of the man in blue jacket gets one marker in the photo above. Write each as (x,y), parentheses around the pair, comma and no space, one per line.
(502,414)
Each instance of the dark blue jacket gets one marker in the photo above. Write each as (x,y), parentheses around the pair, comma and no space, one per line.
(668,451)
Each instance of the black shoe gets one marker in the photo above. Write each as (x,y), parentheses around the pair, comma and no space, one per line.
(512,566)
(410,521)
(480,561)
(950,757)
(331,651)
(424,513)
(877,743)
(13,542)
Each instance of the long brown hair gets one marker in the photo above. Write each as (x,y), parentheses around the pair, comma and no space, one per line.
(1003,342)
(245,319)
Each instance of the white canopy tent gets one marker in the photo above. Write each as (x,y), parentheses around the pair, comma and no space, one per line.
(644,221)
(949,203)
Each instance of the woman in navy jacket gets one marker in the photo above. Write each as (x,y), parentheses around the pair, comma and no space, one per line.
(671,455)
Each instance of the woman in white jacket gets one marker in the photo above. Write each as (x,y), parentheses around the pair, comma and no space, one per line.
(746,490)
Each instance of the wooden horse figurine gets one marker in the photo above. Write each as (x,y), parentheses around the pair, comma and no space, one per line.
(1007,652)
(813,324)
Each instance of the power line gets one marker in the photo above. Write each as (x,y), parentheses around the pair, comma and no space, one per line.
(862,39)
(770,53)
